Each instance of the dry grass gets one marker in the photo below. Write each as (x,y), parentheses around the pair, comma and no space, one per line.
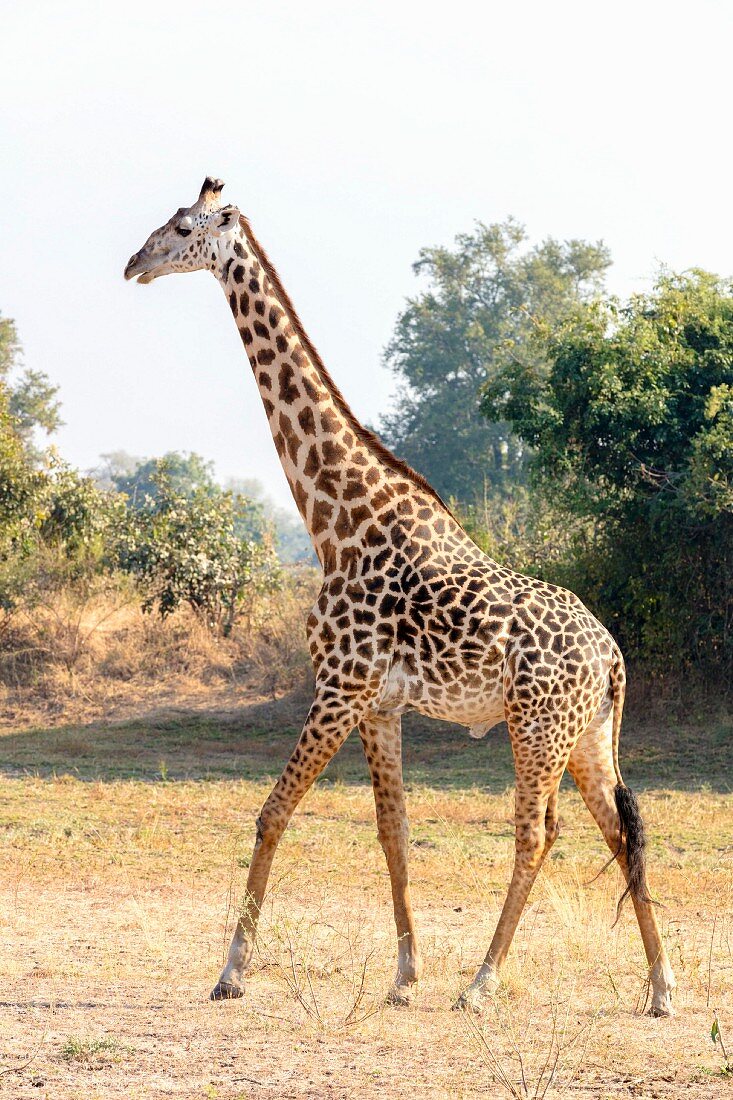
(135,757)
(126,848)
(89,652)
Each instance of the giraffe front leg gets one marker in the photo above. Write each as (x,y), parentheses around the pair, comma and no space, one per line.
(382,740)
(330,720)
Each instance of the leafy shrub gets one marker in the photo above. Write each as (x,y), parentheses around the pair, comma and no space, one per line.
(59,537)
(184,547)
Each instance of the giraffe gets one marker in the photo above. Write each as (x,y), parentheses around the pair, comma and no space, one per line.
(412,616)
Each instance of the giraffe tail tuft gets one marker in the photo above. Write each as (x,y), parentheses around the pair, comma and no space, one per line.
(632,843)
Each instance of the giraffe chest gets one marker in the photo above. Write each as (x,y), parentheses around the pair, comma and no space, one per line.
(459,681)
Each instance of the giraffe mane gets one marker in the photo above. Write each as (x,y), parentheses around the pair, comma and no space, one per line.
(364,435)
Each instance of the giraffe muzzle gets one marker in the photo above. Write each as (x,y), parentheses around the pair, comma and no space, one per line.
(138,265)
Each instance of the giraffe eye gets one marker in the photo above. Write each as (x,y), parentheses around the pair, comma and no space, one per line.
(185,226)
(183,232)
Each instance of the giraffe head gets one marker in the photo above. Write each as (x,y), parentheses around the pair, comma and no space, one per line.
(188,240)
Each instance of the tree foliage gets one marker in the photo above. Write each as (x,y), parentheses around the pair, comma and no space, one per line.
(27,401)
(631,426)
(55,532)
(292,541)
(138,478)
(484,298)
(189,473)
(31,399)
(165,521)
(184,547)
(18,479)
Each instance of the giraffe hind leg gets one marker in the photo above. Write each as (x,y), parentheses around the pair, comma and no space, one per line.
(591,766)
(539,763)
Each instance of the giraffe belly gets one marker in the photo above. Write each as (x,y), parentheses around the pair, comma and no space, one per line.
(450,702)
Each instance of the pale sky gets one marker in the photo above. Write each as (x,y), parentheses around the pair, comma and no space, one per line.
(351,134)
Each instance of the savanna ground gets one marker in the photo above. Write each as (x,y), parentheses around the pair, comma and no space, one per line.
(126,842)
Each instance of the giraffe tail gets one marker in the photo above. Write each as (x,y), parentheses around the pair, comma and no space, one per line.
(632,838)
(617,682)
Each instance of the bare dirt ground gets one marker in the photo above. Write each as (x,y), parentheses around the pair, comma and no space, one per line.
(124,858)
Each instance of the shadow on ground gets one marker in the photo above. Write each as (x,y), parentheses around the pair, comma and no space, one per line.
(254,741)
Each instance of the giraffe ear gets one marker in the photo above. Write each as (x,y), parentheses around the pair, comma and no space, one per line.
(224,221)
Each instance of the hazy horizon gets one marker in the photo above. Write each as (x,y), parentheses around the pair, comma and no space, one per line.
(352,137)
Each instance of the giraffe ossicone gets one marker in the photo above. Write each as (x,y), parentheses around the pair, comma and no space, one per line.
(411,615)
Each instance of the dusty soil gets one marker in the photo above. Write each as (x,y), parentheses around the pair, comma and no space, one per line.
(125,854)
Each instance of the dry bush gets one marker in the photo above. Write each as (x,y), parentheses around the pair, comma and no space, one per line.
(93,645)
(57,636)
(273,633)
(535,1056)
(326,966)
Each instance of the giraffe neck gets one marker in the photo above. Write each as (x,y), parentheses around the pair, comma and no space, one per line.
(340,476)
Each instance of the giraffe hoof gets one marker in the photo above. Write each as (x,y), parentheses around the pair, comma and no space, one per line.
(661,1012)
(401,995)
(470,1001)
(226,991)
(476,997)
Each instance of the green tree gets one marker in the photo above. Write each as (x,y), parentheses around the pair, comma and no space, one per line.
(53,522)
(19,486)
(74,514)
(257,518)
(631,426)
(19,481)
(139,478)
(484,298)
(31,398)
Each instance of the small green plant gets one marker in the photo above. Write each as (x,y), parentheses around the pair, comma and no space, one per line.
(717,1038)
(89,1050)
